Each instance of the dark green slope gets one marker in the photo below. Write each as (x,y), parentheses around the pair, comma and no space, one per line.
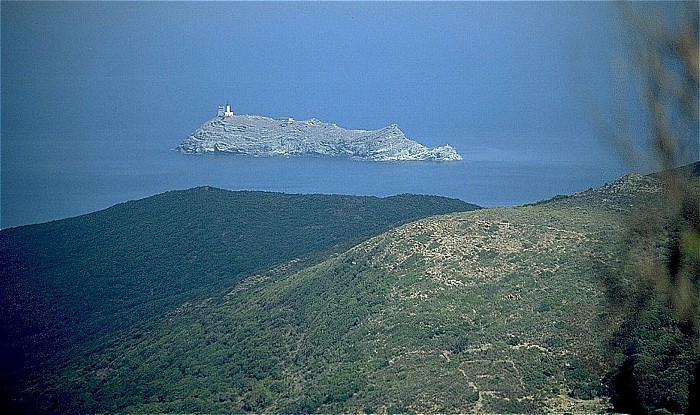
(68,283)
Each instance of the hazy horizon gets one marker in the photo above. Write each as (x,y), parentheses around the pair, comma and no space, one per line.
(85,85)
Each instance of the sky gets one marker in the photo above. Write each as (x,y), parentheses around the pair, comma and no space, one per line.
(513,77)
(441,71)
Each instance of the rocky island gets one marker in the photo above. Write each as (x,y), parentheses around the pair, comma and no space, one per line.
(260,136)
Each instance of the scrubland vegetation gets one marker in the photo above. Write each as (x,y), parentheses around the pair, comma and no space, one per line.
(495,310)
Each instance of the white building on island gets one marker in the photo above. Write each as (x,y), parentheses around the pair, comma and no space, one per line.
(228,112)
(224,111)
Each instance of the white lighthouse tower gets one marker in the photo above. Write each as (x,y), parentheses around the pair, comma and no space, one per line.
(228,112)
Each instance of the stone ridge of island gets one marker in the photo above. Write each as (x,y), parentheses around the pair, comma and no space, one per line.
(259,136)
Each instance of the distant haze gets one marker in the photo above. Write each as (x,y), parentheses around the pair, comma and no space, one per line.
(87,84)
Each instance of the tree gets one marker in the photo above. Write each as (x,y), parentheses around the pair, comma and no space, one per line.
(659,277)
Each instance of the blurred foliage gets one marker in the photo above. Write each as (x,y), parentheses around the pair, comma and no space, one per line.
(656,287)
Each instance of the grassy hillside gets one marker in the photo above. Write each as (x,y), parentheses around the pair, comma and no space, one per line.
(496,310)
(67,284)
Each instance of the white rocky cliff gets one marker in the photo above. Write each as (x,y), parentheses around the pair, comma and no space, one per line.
(262,136)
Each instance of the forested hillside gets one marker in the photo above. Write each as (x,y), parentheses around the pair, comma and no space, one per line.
(491,311)
(68,285)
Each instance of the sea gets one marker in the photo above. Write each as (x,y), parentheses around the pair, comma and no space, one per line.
(59,177)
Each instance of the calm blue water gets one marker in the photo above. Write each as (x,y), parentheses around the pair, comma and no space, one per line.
(67,176)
